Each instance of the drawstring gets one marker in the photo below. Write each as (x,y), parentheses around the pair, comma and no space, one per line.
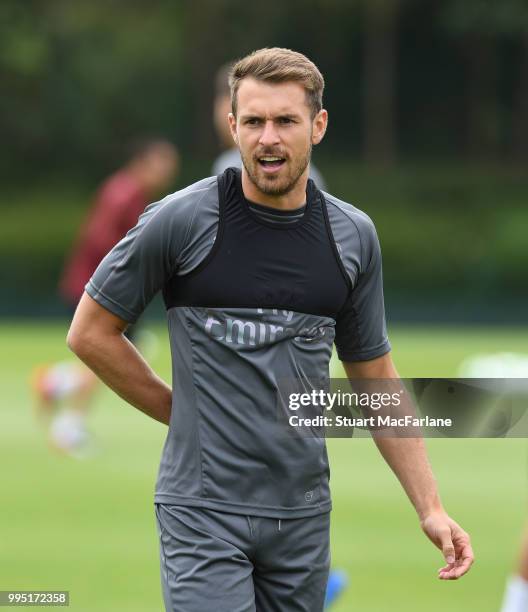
(251,526)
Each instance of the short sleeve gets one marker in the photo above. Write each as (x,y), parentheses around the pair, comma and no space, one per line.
(131,274)
(171,237)
(361,330)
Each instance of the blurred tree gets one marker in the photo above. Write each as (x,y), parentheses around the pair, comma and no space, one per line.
(520,103)
(80,79)
(84,78)
(379,78)
(24,60)
(479,26)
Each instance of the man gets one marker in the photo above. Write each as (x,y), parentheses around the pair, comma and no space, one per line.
(122,197)
(260,273)
(229,158)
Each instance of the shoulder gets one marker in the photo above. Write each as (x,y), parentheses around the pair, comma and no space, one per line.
(352,228)
(193,195)
(172,222)
(183,224)
(186,204)
(348,214)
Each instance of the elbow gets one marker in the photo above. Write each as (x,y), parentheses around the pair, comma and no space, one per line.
(72,340)
(76,341)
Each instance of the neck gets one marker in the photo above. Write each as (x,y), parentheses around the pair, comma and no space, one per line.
(289,201)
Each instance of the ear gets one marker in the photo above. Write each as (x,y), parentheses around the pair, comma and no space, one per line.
(233,127)
(319,125)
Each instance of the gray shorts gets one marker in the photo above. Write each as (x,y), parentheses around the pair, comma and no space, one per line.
(236,563)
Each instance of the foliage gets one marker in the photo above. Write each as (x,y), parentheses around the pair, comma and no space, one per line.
(82,78)
(450,234)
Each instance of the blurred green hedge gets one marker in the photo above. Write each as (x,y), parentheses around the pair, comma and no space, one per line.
(454,238)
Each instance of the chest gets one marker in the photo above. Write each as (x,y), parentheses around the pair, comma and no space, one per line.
(253,264)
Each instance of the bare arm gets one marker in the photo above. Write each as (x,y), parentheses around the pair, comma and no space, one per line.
(96,337)
(407,457)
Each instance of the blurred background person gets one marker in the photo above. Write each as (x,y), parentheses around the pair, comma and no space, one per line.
(230,156)
(505,365)
(64,390)
(516,596)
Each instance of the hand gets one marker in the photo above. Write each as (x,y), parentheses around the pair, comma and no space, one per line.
(453,541)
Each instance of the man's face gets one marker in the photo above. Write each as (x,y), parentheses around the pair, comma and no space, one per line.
(275,133)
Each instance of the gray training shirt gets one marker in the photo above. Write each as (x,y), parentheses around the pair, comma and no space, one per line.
(254,296)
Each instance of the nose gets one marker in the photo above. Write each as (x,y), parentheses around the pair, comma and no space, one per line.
(269,135)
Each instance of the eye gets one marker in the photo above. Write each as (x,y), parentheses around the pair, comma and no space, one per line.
(286,120)
(252,121)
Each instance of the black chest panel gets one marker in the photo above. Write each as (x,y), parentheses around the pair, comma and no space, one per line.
(256,263)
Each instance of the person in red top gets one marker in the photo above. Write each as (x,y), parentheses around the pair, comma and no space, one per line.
(119,202)
(117,206)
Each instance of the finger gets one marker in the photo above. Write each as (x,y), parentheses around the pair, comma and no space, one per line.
(450,572)
(453,574)
(448,576)
(446,543)
(445,570)
(457,570)
(466,560)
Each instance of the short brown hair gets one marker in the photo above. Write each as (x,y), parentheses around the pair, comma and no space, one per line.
(278,65)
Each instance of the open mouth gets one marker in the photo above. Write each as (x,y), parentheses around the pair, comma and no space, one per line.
(271,163)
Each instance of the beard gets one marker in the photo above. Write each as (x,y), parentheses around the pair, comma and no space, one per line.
(281,183)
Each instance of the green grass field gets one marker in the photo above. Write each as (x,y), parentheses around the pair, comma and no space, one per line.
(88,526)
